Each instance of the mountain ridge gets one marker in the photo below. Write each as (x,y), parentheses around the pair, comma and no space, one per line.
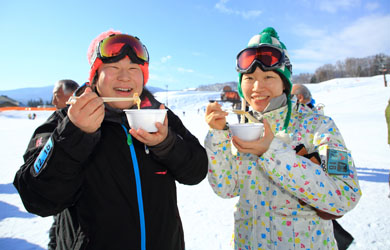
(24,95)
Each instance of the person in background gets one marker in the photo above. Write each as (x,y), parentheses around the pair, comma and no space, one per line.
(387,115)
(288,188)
(303,95)
(63,89)
(119,182)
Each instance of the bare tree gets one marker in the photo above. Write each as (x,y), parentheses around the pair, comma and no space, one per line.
(353,67)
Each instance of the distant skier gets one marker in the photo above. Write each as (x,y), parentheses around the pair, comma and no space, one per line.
(387,115)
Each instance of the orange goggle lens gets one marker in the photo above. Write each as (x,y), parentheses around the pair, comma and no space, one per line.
(112,46)
(269,58)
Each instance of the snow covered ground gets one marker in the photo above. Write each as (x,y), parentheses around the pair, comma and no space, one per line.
(356,104)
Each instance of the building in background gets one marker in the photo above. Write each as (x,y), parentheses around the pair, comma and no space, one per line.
(5,101)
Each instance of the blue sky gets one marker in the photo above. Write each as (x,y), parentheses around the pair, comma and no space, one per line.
(190,43)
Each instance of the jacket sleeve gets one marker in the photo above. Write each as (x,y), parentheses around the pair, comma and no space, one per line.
(335,194)
(51,177)
(223,169)
(181,153)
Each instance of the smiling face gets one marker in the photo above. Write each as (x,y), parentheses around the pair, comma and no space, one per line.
(260,87)
(120,79)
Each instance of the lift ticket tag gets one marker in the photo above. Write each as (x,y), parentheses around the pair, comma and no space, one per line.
(337,162)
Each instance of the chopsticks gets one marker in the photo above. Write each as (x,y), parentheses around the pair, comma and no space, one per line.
(242,112)
(118,99)
(72,99)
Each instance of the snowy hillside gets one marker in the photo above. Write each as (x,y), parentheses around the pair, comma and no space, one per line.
(356,104)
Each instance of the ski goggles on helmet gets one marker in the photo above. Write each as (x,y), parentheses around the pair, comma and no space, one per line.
(267,56)
(116,46)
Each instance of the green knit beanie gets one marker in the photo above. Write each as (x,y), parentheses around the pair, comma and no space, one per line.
(270,36)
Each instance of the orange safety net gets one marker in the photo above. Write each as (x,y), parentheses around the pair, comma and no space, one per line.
(26,109)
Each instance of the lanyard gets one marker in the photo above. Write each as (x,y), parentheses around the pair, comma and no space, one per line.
(139,189)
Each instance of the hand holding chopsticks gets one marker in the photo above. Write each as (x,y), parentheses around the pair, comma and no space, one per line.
(242,112)
(135,98)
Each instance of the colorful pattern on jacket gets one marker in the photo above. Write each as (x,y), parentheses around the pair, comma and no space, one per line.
(268,214)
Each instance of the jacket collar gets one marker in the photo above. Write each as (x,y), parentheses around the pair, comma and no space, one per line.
(277,116)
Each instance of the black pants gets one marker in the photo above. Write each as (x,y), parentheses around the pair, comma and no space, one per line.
(52,235)
(343,238)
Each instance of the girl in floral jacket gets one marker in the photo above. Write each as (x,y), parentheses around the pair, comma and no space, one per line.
(295,179)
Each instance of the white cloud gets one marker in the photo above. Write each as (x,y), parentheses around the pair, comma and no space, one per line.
(333,6)
(162,78)
(372,6)
(197,53)
(367,36)
(250,14)
(165,59)
(307,31)
(307,67)
(221,6)
(185,70)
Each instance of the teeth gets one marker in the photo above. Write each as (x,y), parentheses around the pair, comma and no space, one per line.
(259,97)
(121,89)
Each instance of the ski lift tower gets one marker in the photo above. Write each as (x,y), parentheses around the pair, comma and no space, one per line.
(166,95)
(384,70)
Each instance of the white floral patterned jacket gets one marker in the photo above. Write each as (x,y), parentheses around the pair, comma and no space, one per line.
(268,214)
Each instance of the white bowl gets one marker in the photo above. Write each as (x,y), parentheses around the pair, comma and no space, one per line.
(145,118)
(247,131)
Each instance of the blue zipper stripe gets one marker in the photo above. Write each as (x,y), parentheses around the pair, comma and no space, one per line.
(139,190)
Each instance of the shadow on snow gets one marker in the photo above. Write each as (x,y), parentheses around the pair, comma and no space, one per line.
(17,244)
(373,174)
(7,211)
(8,189)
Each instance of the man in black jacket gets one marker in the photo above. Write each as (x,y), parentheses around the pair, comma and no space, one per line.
(64,229)
(63,89)
(117,182)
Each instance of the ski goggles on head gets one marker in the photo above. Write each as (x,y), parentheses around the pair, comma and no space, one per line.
(267,56)
(116,46)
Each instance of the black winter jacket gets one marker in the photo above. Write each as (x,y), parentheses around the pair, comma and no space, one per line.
(93,176)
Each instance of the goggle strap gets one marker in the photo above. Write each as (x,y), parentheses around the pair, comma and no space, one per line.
(94,55)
